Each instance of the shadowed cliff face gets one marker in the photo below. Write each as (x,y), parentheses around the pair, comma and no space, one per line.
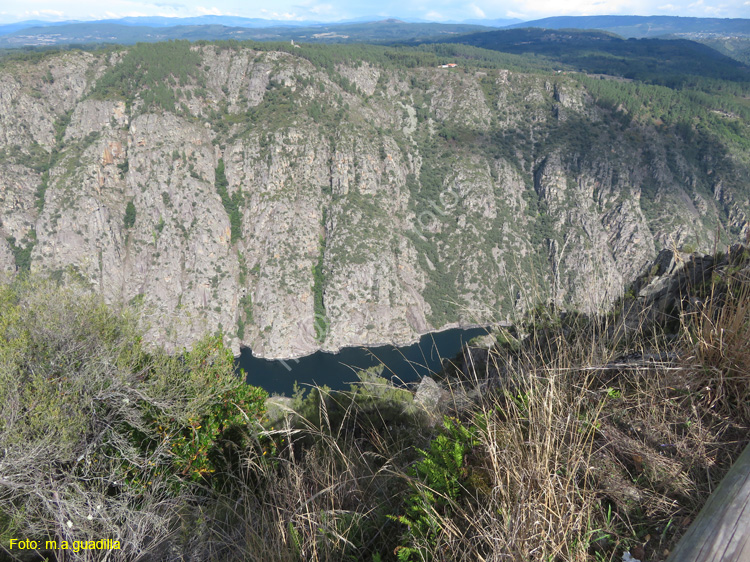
(298,207)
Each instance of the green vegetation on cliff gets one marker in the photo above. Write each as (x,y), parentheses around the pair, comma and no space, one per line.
(231,203)
(22,250)
(150,70)
(321,321)
(453,193)
(672,62)
(130,215)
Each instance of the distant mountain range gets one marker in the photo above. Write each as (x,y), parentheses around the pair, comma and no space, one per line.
(157,21)
(233,21)
(385,31)
(646,26)
(730,37)
(365,29)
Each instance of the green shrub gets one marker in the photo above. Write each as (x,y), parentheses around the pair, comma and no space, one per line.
(231,204)
(119,425)
(129,219)
(225,410)
(439,482)
(22,251)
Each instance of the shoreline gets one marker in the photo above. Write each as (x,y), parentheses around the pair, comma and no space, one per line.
(445,328)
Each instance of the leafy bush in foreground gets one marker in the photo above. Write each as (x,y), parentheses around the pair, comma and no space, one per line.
(440,480)
(101,437)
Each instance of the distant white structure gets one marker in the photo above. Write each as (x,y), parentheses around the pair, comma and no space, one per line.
(295,46)
(449,65)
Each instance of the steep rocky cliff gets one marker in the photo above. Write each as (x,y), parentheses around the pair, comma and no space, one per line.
(296,206)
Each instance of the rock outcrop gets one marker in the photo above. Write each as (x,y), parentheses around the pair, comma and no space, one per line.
(423,198)
(677,283)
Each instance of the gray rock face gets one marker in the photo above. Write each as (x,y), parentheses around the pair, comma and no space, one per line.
(7,261)
(363,204)
(677,283)
(18,212)
(429,396)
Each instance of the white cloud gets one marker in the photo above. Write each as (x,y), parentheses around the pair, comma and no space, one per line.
(208,11)
(117,15)
(668,7)
(321,9)
(544,8)
(280,15)
(433,15)
(477,11)
(45,13)
(715,10)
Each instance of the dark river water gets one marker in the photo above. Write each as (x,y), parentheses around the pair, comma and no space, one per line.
(337,370)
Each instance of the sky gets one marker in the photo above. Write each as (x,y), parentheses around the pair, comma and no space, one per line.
(334,10)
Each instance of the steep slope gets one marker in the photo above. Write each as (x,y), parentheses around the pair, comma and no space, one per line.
(313,198)
(670,62)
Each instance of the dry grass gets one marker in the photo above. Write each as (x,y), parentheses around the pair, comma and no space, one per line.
(716,335)
(323,496)
(581,442)
(586,447)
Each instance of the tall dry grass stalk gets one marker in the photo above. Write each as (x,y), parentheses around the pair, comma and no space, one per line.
(317,499)
(531,475)
(715,336)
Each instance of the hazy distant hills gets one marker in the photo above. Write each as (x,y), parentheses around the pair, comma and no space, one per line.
(736,47)
(385,31)
(658,61)
(730,37)
(160,22)
(646,26)
(229,21)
